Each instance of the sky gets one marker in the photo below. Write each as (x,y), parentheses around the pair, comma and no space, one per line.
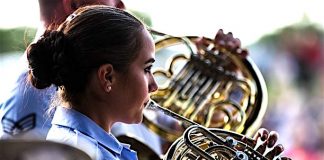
(247,19)
(15,13)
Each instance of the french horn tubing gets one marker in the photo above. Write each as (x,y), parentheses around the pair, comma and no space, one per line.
(198,142)
(213,87)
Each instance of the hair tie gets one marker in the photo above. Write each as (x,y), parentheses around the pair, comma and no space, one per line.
(71,17)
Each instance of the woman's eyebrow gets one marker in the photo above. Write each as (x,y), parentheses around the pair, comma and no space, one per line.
(151,60)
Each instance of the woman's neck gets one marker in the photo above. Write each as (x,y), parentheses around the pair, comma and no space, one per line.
(94,110)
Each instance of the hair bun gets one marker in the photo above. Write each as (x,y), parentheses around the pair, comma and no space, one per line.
(44,58)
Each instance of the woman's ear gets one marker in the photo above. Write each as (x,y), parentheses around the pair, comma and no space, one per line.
(105,75)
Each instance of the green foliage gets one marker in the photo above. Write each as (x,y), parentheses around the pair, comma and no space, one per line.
(289,31)
(144,17)
(16,39)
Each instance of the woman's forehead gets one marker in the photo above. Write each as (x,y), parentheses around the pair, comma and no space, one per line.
(147,51)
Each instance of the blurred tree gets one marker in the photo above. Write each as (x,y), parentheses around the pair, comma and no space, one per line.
(16,39)
(142,16)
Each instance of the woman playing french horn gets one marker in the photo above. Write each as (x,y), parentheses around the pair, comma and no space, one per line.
(100,60)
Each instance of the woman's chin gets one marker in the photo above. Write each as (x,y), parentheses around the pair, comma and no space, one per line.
(140,119)
(137,119)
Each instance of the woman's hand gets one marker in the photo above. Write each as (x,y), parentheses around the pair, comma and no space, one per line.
(265,142)
(222,40)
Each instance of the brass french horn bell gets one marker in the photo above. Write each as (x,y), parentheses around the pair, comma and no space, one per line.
(211,86)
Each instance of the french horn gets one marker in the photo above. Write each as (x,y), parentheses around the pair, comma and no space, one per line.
(198,142)
(208,98)
(212,86)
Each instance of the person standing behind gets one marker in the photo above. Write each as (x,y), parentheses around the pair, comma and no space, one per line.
(23,111)
(100,61)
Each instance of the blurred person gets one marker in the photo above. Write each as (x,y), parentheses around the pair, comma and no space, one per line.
(91,59)
(305,138)
(295,86)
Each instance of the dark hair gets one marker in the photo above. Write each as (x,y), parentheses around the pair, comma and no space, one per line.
(90,37)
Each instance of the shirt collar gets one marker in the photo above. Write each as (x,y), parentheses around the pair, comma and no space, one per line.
(76,120)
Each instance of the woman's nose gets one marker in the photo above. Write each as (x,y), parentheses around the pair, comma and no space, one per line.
(153,85)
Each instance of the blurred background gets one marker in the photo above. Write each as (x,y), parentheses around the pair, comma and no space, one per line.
(284,39)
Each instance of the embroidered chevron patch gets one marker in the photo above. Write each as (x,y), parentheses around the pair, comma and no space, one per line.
(22,125)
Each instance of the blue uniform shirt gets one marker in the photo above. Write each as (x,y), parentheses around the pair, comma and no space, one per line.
(22,111)
(74,128)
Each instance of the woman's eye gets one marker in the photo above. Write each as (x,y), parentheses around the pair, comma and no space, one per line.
(148,69)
